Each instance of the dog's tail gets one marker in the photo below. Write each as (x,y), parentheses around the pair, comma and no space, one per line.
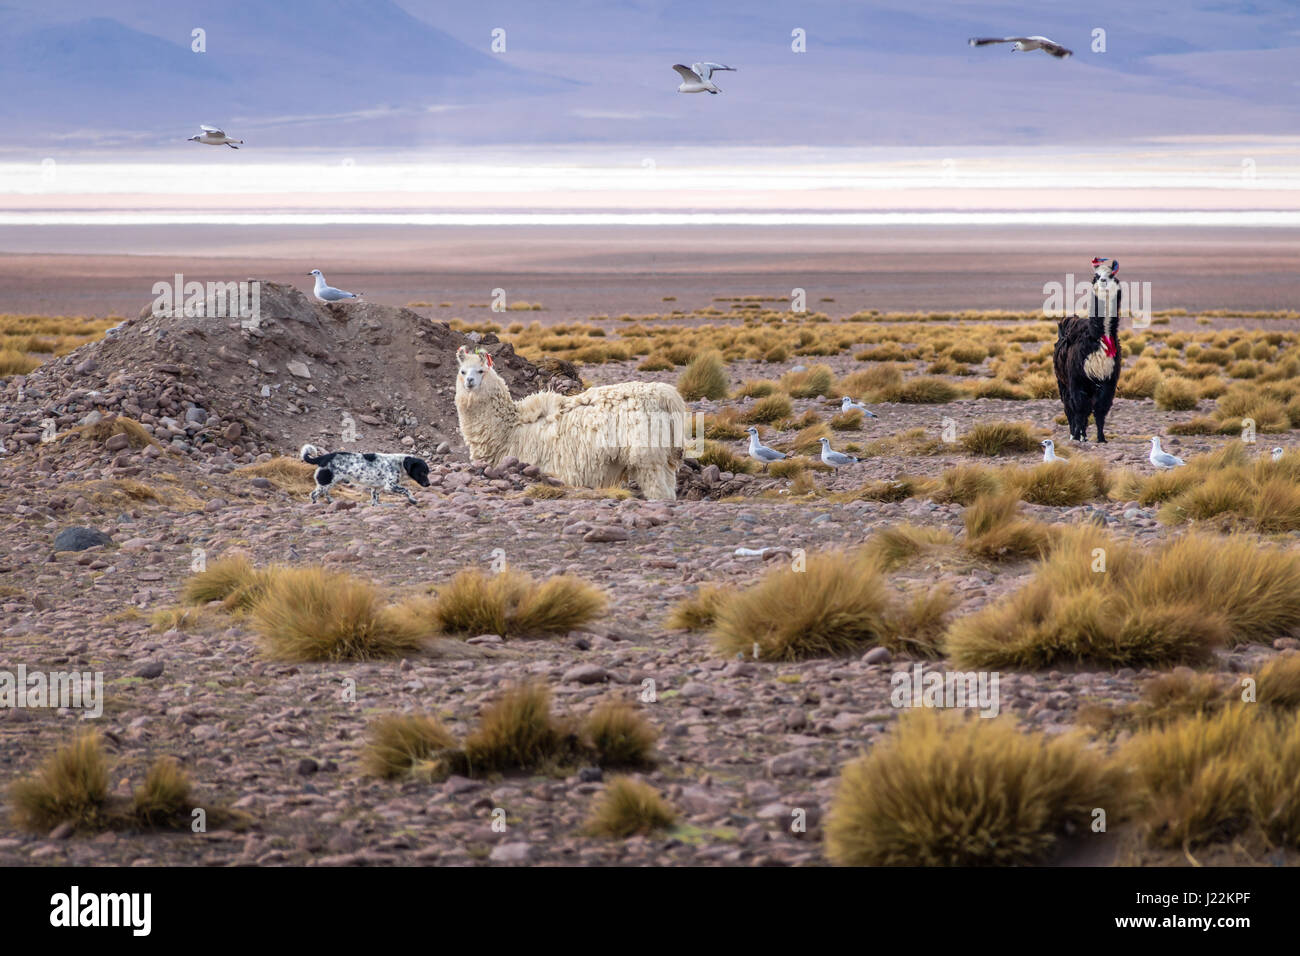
(312,455)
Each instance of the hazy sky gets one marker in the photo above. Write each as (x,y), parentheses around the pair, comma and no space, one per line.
(423,73)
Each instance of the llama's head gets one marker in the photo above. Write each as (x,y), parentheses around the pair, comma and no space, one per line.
(473,368)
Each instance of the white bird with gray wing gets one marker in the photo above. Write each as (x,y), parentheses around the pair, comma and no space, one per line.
(327,293)
(1162,459)
(211,136)
(698,78)
(760,451)
(847,405)
(1026,45)
(834,458)
(1049,450)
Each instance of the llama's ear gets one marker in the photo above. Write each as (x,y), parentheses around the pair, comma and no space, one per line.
(461,353)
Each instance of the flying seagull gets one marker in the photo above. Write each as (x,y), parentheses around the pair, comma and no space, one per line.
(211,136)
(698,78)
(1026,44)
(834,458)
(847,405)
(1162,459)
(760,451)
(327,293)
(1049,450)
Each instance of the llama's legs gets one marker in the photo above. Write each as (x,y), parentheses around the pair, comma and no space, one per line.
(1099,416)
(1076,413)
(656,483)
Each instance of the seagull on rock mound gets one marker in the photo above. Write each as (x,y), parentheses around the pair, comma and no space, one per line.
(760,451)
(327,293)
(834,458)
(847,405)
(211,136)
(1049,450)
(1162,459)
(1026,44)
(698,78)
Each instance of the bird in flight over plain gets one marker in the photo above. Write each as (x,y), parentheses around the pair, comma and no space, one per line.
(1049,450)
(760,451)
(1162,459)
(1026,45)
(698,78)
(327,293)
(847,405)
(834,458)
(211,136)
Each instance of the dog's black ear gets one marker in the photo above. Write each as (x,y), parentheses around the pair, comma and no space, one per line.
(417,468)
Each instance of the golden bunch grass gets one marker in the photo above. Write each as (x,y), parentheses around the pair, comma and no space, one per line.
(1175,394)
(1213,777)
(398,742)
(704,377)
(629,807)
(942,790)
(292,475)
(1168,606)
(996,531)
(697,612)
(787,468)
(965,483)
(105,429)
(70,787)
(618,735)
(1062,484)
(899,544)
(817,381)
(232,580)
(923,390)
(513,604)
(768,409)
(311,614)
(836,606)
(1278,683)
(718,454)
(1000,438)
(518,732)
(164,797)
(808,440)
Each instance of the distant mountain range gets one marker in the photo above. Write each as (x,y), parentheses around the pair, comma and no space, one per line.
(283,73)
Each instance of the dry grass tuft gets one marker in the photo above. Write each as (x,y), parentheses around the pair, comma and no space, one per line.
(618,735)
(836,606)
(518,732)
(70,787)
(399,742)
(768,409)
(513,604)
(941,790)
(999,438)
(704,377)
(815,382)
(310,614)
(996,531)
(896,545)
(164,797)
(699,611)
(232,580)
(629,807)
(291,475)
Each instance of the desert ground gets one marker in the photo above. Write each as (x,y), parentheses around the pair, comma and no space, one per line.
(173,447)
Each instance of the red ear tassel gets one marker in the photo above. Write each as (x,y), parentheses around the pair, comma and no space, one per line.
(487,359)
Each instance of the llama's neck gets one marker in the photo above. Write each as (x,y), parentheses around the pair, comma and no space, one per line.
(488,416)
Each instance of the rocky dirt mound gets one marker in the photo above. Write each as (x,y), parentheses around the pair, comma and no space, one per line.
(306,372)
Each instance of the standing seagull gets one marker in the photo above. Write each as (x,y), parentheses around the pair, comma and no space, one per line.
(760,451)
(1049,450)
(698,78)
(1162,459)
(1026,44)
(1277,454)
(211,136)
(327,293)
(847,405)
(834,458)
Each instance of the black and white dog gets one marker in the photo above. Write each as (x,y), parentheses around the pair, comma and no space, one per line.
(374,471)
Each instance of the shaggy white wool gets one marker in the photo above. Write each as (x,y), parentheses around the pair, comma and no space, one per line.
(596,439)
